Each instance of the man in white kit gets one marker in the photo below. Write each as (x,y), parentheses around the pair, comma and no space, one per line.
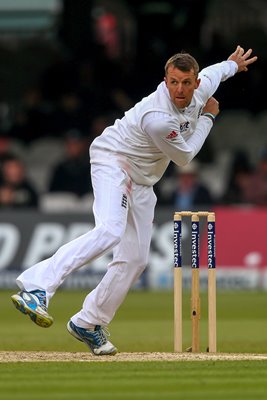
(127,159)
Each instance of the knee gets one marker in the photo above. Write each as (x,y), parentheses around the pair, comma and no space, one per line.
(111,236)
(140,261)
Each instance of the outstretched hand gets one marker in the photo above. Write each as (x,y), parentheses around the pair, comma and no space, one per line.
(242,58)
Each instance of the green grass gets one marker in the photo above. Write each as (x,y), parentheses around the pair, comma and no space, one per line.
(162,380)
(144,323)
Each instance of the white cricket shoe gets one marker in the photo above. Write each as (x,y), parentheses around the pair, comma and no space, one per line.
(95,339)
(33,304)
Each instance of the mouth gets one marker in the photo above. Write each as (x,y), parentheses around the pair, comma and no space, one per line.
(180,98)
(180,102)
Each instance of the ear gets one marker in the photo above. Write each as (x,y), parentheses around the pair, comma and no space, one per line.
(197,83)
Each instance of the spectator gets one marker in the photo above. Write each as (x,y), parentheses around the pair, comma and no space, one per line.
(183,190)
(189,193)
(70,113)
(240,186)
(7,196)
(15,188)
(31,117)
(73,173)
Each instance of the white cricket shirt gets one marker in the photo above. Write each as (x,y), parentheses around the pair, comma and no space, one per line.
(155,131)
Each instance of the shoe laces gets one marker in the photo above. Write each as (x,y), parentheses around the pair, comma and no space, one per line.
(101,334)
(42,298)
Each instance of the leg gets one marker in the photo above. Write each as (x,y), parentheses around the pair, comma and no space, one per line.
(40,282)
(130,258)
(110,184)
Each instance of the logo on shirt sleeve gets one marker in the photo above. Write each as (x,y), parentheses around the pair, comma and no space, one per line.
(183,128)
(172,135)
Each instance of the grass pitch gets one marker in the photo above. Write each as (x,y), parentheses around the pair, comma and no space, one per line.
(144,323)
(130,381)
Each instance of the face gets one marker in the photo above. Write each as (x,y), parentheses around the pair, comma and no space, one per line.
(187,181)
(181,86)
(75,147)
(13,171)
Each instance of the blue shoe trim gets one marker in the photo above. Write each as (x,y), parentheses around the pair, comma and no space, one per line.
(94,339)
(36,309)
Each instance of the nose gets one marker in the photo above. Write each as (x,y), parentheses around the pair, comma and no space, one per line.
(179,88)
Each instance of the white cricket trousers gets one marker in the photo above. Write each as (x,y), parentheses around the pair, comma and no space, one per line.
(124,213)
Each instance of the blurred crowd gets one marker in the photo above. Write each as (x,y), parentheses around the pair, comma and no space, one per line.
(101,70)
(68,177)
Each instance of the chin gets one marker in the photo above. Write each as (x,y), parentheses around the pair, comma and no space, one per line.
(181,105)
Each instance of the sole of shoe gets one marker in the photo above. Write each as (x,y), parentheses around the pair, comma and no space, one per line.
(112,352)
(44,321)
